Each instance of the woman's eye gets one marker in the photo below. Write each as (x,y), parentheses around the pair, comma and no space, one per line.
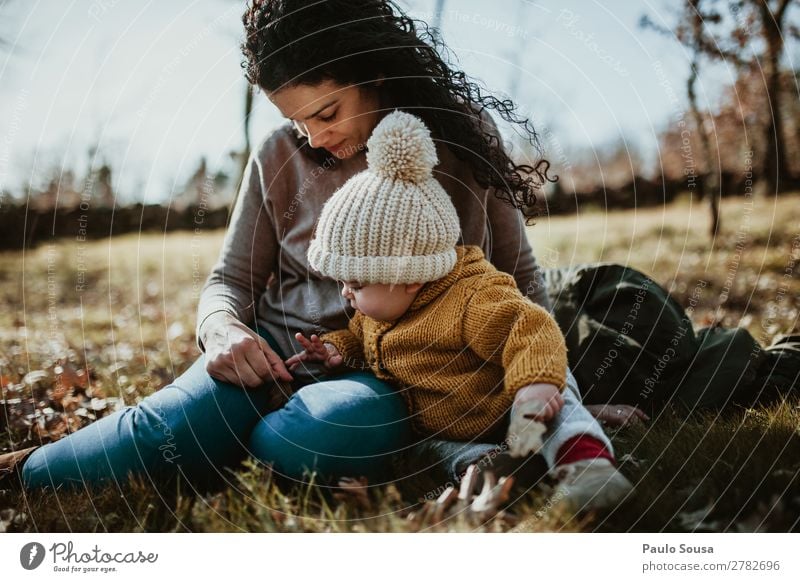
(329,118)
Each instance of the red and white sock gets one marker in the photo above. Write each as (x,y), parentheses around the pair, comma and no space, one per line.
(581,448)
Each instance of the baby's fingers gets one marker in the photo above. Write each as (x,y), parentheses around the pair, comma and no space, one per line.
(545,414)
(317,345)
(297,358)
(303,340)
(550,409)
(294,361)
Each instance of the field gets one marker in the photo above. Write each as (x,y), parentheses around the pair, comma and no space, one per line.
(92,326)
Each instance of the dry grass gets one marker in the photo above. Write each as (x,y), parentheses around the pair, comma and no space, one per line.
(132,329)
(758,244)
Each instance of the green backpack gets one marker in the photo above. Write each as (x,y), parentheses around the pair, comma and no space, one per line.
(630,342)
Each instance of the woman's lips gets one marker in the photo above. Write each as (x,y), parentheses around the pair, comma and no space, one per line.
(336,147)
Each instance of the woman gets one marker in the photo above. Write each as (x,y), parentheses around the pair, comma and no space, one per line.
(333,69)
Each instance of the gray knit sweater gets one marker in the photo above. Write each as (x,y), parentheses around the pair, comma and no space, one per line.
(262,273)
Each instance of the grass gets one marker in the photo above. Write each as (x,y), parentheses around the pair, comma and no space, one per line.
(106,323)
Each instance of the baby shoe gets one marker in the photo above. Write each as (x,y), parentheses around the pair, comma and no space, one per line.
(590,484)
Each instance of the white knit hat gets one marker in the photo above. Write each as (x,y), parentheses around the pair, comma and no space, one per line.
(392,223)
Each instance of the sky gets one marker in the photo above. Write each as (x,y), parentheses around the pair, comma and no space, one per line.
(157,85)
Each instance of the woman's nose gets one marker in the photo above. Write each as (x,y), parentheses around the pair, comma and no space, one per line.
(315,134)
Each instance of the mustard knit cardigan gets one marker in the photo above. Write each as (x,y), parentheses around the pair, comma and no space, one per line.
(468,342)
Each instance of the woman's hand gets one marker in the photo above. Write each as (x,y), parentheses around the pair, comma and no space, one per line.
(533,405)
(237,354)
(316,351)
(617,415)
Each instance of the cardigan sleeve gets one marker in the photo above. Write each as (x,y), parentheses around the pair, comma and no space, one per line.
(512,253)
(503,327)
(510,250)
(248,255)
(349,342)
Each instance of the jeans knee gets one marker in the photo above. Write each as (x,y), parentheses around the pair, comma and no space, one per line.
(344,427)
(351,402)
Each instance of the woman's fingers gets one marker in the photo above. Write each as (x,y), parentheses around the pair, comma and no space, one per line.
(236,369)
(259,364)
(277,367)
(244,374)
(617,415)
(632,415)
(257,361)
(238,355)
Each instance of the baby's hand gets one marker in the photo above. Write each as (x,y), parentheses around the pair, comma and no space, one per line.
(547,396)
(315,351)
(533,406)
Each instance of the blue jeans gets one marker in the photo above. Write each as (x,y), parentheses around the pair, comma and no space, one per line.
(197,426)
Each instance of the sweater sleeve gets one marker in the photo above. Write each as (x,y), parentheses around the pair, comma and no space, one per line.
(247,258)
(349,342)
(510,250)
(503,327)
(512,253)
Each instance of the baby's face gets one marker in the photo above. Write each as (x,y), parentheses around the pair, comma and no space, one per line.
(380,301)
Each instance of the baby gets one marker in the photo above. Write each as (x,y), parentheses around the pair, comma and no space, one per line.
(470,354)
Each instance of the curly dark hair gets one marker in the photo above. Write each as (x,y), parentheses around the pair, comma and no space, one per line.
(356,42)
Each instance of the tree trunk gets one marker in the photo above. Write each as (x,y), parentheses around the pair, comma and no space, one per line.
(774,163)
(710,184)
(248,109)
(437,15)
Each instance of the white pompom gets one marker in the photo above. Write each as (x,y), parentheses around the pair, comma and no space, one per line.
(401,148)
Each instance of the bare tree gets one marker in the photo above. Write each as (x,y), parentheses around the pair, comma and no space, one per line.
(437,15)
(3,42)
(248,110)
(243,156)
(689,33)
(516,55)
(772,16)
(731,39)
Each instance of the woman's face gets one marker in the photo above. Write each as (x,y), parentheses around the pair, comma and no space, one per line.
(339,118)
